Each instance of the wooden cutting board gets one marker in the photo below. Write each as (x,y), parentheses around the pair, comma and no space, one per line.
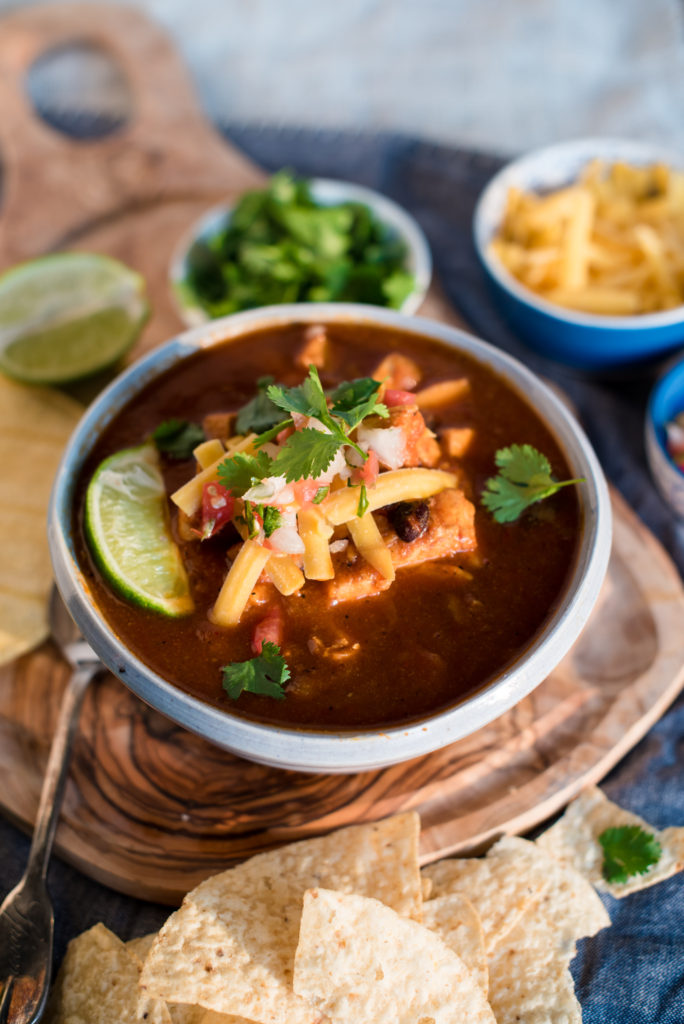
(149,808)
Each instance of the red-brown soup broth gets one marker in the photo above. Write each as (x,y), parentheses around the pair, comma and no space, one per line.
(424,644)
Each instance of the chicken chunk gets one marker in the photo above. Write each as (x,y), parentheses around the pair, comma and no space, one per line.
(451,530)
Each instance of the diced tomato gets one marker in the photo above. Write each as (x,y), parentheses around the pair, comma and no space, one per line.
(284,434)
(218,505)
(395,396)
(305,490)
(368,473)
(268,630)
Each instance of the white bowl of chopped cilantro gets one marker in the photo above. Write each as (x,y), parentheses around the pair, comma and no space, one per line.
(300,240)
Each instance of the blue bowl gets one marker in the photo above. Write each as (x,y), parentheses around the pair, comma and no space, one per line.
(666,400)
(587,341)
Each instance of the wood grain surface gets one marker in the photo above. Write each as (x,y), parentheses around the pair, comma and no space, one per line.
(151,809)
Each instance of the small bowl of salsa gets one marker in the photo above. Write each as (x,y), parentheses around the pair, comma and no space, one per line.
(664,436)
(329,537)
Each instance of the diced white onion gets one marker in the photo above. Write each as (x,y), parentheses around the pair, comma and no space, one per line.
(388,443)
(338,545)
(265,489)
(287,540)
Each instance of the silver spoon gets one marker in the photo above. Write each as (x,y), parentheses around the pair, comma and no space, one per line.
(26,916)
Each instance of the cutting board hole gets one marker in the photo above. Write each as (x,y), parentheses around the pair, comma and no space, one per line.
(79,90)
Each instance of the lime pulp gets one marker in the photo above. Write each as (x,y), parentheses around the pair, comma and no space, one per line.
(126,523)
(67,316)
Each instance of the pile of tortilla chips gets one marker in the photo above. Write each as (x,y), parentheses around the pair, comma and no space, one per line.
(346,929)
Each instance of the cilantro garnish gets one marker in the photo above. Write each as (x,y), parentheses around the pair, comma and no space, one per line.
(353,400)
(259,414)
(320,494)
(250,520)
(306,454)
(240,472)
(362,506)
(265,674)
(177,439)
(271,518)
(524,478)
(627,851)
(280,245)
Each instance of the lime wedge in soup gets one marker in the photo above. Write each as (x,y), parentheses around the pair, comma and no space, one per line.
(66,316)
(126,523)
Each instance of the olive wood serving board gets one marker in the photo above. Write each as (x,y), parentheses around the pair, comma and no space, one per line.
(149,808)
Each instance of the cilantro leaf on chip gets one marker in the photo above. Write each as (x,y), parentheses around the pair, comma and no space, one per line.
(628,850)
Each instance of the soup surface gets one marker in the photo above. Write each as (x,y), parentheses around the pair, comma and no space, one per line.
(470,593)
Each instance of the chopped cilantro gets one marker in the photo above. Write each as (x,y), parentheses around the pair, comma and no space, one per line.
(177,438)
(307,453)
(259,414)
(240,472)
(265,674)
(320,494)
(250,520)
(353,400)
(524,478)
(271,518)
(628,850)
(307,398)
(280,245)
(362,506)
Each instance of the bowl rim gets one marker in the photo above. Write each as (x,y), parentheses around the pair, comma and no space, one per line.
(654,426)
(349,750)
(328,191)
(572,153)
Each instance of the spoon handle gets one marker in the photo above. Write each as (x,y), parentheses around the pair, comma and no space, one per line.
(57,769)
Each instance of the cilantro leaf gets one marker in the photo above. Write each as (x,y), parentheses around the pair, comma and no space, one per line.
(307,453)
(271,517)
(353,400)
(240,472)
(177,438)
(320,494)
(265,674)
(259,413)
(524,478)
(628,850)
(308,398)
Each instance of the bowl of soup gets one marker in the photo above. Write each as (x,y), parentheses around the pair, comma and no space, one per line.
(328,537)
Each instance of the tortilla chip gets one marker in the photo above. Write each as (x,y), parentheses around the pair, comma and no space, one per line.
(141,946)
(573,839)
(98,984)
(529,976)
(521,988)
(35,424)
(495,885)
(567,908)
(458,925)
(357,960)
(231,946)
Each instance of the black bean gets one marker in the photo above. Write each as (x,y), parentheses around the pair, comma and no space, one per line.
(409,518)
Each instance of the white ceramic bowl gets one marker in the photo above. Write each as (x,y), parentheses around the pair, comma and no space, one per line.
(348,751)
(585,340)
(326,192)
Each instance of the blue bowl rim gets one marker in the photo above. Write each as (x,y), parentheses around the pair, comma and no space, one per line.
(575,151)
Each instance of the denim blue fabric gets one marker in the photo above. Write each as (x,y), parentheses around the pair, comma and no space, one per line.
(632,973)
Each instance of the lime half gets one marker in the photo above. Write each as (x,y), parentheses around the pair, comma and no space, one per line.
(67,316)
(126,523)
